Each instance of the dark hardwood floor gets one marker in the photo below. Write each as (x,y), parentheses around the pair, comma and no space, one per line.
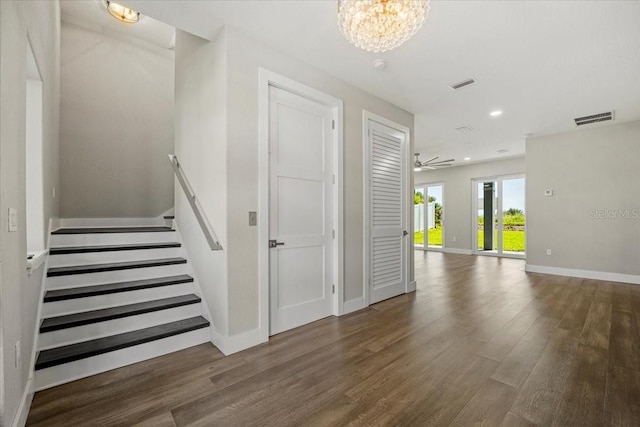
(481,342)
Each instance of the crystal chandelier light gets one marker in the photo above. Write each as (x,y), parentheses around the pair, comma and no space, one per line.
(380,25)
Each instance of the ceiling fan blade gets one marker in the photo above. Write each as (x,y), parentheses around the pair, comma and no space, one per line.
(443,161)
(438,166)
(428,167)
(430,160)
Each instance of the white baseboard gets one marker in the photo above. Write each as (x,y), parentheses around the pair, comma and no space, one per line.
(411,287)
(352,305)
(20,420)
(236,343)
(584,274)
(458,251)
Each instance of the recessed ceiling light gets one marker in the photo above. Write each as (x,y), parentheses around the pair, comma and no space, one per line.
(122,13)
(466,159)
(495,113)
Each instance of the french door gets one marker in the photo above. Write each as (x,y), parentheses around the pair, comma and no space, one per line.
(428,217)
(499,216)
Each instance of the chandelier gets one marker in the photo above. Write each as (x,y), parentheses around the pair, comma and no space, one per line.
(380,25)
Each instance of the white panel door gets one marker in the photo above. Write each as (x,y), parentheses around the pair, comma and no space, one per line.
(300,210)
(387,212)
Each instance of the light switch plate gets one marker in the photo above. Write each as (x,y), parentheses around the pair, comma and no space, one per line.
(13,220)
(548,193)
(253,218)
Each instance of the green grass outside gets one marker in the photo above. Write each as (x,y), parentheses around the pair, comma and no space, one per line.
(513,240)
(435,237)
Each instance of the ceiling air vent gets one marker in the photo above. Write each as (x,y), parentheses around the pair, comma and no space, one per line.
(462,84)
(594,118)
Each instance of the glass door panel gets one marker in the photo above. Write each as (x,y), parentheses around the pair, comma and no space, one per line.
(513,216)
(487,216)
(435,211)
(419,217)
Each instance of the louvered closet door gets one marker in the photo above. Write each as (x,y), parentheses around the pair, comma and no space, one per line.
(387,215)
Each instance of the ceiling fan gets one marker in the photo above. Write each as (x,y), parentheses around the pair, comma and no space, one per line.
(430,164)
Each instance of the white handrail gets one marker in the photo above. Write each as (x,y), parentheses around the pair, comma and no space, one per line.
(209,234)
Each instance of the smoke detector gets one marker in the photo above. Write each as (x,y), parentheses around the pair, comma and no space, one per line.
(380,64)
(465,129)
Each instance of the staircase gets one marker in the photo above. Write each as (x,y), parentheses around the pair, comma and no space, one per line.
(115,296)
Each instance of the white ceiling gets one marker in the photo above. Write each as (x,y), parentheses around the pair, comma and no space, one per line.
(541,62)
(93,15)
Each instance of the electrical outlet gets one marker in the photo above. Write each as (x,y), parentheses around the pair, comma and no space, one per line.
(548,193)
(455,239)
(253,218)
(548,251)
(18,356)
(54,192)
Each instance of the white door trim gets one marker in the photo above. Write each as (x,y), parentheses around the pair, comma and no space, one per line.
(268,78)
(408,242)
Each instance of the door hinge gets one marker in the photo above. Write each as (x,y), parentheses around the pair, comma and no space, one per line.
(333,233)
(333,124)
(333,289)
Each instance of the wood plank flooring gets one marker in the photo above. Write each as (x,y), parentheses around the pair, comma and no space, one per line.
(481,342)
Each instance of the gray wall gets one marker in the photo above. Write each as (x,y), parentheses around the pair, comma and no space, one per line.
(116,126)
(19,296)
(457,195)
(218,145)
(592,172)
(245,56)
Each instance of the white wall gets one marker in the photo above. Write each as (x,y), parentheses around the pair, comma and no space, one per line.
(201,146)
(116,126)
(18,295)
(592,172)
(458,197)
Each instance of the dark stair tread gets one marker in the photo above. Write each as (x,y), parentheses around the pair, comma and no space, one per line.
(102,230)
(113,266)
(64,250)
(73,352)
(88,317)
(112,288)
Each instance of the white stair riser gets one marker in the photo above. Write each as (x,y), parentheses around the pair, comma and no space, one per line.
(87,279)
(116,326)
(111,222)
(50,377)
(60,308)
(110,238)
(117,256)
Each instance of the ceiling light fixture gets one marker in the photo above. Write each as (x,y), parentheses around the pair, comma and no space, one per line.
(466,159)
(122,13)
(495,113)
(380,25)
